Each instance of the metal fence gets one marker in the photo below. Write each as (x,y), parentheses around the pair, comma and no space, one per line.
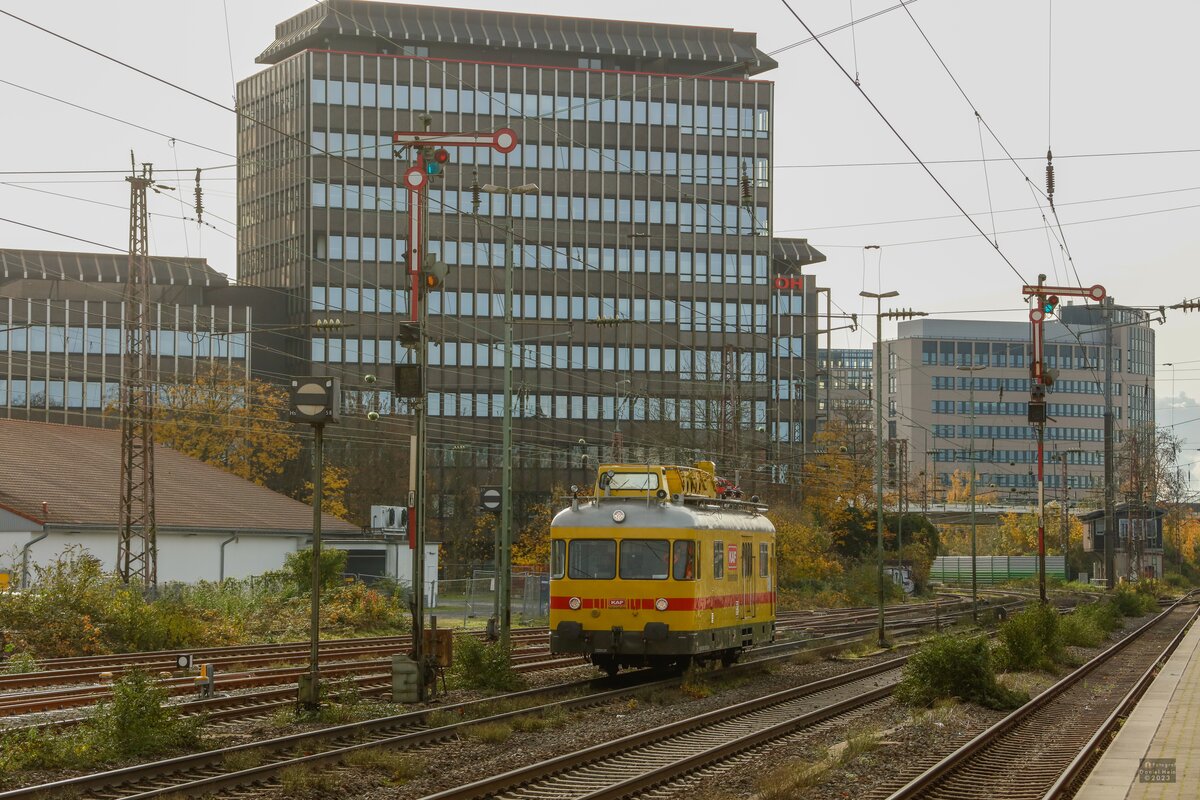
(474,598)
(990,570)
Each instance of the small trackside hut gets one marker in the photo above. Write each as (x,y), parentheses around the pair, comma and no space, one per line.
(658,568)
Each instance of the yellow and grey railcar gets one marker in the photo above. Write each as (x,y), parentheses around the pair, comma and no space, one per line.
(656,569)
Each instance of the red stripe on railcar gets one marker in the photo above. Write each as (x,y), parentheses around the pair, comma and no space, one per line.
(561,602)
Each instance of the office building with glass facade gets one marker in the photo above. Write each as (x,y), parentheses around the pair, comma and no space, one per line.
(651,318)
(63,327)
(930,369)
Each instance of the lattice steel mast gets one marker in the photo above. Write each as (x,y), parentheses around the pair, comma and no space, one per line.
(137,545)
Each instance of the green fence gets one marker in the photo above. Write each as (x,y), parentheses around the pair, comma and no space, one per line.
(990,570)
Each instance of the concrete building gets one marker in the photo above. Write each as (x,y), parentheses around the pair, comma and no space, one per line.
(63,329)
(59,488)
(929,391)
(1138,549)
(650,319)
(845,380)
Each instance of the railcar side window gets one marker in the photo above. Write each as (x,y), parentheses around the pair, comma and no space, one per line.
(718,559)
(764,554)
(684,564)
(644,559)
(592,559)
(558,558)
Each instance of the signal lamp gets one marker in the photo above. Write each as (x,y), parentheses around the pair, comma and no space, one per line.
(1049,303)
(435,160)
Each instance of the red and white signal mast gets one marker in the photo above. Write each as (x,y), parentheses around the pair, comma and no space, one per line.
(432,157)
(427,274)
(1046,299)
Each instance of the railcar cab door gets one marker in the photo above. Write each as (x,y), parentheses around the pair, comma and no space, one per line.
(747,579)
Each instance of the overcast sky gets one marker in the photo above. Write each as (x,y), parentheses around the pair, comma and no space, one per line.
(1111,79)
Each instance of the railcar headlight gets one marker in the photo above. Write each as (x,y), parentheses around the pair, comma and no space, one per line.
(574,603)
(661,604)
(619,515)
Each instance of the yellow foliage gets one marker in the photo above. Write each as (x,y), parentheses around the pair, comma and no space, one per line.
(840,475)
(531,545)
(1018,533)
(229,420)
(803,551)
(1188,534)
(334,482)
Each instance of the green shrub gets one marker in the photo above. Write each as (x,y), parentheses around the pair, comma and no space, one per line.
(1136,601)
(1176,581)
(1030,640)
(1081,630)
(17,662)
(950,666)
(862,586)
(297,567)
(76,608)
(481,665)
(138,721)
(1104,614)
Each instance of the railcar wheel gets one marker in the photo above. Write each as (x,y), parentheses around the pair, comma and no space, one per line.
(728,657)
(607,663)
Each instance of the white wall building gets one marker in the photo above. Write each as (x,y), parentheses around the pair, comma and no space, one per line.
(59,487)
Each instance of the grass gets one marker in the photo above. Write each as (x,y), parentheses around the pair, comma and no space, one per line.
(554,717)
(867,646)
(783,781)
(940,714)
(305,781)
(490,732)
(242,759)
(858,744)
(694,684)
(440,719)
(398,767)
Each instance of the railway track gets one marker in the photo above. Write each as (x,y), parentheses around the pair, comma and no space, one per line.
(642,760)
(207,772)
(225,709)
(83,669)
(1043,749)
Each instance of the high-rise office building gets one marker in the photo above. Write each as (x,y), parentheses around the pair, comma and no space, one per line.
(656,316)
(931,367)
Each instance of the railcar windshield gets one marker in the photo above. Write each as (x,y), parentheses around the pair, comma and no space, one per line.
(592,559)
(638,481)
(644,559)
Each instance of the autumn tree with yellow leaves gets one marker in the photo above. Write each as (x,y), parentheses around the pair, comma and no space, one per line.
(839,478)
(225,418)
(531,543)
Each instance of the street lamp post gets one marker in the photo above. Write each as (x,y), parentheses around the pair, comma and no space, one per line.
(879,446)
(971,369)
(504,546)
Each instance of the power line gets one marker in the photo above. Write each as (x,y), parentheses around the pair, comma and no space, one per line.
(908,147)
(1025,230)
(64,235)
(101,113)
(972,161)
